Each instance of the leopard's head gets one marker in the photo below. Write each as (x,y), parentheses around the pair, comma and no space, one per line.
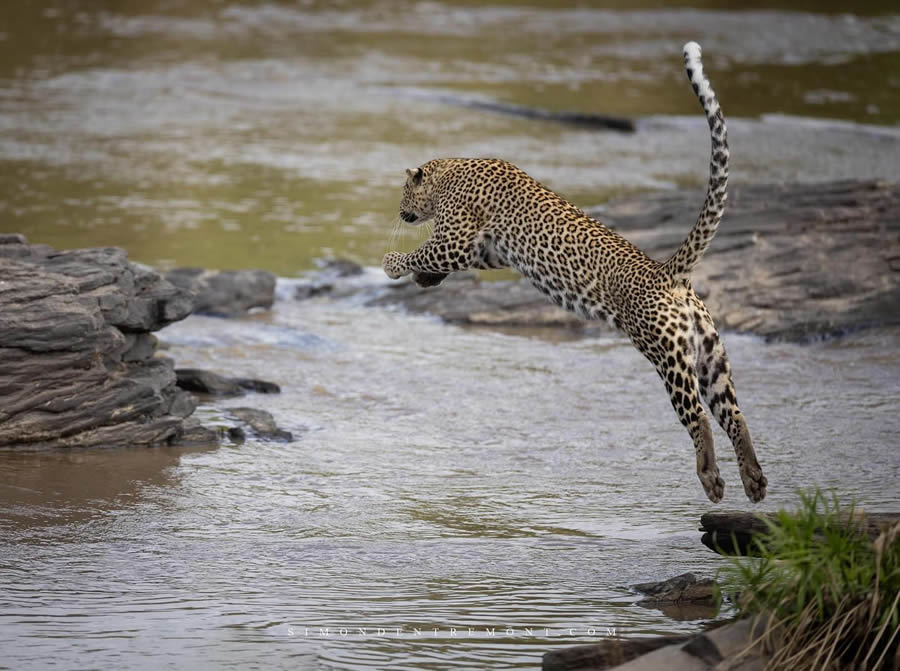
(417,205)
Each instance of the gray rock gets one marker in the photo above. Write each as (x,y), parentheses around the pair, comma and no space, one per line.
(464,299)
(607,654)
(227,293)
(77,364)
(736,645)
(790,262)
(236,434)
(326,279)
(258,386)
(139,347)
(684,587)
(207,382)
(262,424)
(684,597)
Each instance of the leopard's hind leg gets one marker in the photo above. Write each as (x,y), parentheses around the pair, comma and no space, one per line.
(674,358)
(717,387)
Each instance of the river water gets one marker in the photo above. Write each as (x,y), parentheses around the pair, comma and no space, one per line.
(455,498)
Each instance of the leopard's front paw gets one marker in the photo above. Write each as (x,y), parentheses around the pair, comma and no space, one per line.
(394,265)
(425,280)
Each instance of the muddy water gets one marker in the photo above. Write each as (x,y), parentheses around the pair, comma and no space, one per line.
(444,480)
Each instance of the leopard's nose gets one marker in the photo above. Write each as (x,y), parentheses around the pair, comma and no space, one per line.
(408,217)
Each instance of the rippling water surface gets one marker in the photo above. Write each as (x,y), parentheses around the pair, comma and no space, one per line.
(443,480)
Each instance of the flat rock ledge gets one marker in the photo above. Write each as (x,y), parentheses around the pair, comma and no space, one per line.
(733,645)
(792,262)
(78,364)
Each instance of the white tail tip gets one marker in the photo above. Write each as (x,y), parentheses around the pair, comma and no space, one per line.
(692,51)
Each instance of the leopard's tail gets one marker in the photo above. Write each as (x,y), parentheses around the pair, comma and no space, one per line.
(679,267)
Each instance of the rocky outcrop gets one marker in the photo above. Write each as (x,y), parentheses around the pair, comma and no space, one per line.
(226,293)
(77,353)
(790,262)
(684,587)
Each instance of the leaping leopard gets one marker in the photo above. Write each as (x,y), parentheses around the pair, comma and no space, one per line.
(490,214)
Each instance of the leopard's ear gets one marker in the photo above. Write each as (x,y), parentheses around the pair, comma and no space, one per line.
(415,175)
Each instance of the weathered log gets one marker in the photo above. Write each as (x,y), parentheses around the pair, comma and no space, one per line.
(736,533)
(601,122)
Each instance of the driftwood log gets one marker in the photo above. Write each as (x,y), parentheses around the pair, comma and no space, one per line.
(736,533)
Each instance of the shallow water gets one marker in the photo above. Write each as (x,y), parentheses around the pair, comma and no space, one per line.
(443,479)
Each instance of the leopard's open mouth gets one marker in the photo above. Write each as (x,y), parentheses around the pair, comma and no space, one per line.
(409,217)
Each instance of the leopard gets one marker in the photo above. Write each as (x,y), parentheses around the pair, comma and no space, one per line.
(486,213)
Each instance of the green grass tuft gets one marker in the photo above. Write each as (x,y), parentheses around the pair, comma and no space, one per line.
(830,595)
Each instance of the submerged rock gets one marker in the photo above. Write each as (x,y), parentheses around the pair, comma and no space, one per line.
(684,597)
(327,279)
(684,587)
(261,423)
(77,359)
(225,293)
